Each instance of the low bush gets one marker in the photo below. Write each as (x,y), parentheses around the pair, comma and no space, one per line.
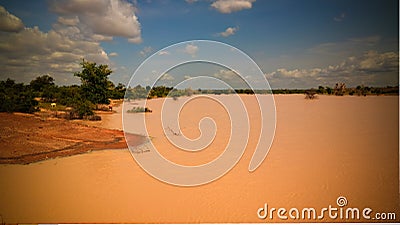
(139,110)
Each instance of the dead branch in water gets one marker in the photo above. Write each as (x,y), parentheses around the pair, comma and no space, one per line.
(173,132)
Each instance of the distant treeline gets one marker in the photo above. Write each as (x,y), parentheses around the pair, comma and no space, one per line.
(97,90)
(340,89)
(139,92)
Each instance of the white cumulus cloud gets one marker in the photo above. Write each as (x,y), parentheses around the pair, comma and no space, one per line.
(372,67)
(30,52)
(191,49)
(229,6)
(225,74)
(163,53)
(9,22)
(107,18)
(167,77)
(72,21)
(146,51)
(340,17)
(229,31)
(112,54)
(231,77)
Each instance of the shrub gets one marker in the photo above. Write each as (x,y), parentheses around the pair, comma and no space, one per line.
(139,110)
(82,109)
(16,97)
(310,94)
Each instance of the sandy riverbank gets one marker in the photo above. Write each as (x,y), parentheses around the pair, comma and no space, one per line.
(28,138)
(323,149)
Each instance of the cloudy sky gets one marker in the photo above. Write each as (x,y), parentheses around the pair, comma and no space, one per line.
(296,43)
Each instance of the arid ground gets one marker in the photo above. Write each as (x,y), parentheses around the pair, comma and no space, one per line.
(28,138)
(323,149)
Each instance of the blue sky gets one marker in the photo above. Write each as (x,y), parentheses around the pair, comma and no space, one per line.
(296,43)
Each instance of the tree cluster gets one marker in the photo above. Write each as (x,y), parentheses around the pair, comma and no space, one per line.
(340,89)
(16,97)
(95,89)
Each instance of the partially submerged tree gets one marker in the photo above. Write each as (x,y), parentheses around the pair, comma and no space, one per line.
(340,89)
(311,94)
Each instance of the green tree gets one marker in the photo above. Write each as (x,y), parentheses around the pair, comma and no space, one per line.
(94,80)
(137,92)
(321,90)
(159,91)
(49,93)
(83,108)
(328,90)
(16,97)
(42,82)
(117,92)
(44,87)
(361,90)
(68,95)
